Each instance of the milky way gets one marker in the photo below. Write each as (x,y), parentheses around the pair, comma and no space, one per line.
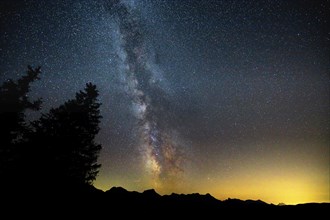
(142,81)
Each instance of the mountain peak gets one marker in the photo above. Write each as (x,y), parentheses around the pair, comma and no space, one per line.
(151,194)
(118,189)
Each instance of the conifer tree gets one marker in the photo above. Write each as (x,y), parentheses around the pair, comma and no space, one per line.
(14,101)
(66,136)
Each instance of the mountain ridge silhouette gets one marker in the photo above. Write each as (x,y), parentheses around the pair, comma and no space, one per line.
(117,201)
(153,192)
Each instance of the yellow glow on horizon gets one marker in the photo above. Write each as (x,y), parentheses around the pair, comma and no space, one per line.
(289,191)
(281,175)
(286,189)
(272,185)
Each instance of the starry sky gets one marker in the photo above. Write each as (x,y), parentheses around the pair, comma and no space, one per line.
(223,97)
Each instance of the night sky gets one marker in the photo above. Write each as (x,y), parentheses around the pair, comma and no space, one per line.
(223,97)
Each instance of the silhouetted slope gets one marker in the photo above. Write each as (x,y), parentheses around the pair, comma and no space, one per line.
(88,201)
(203,205)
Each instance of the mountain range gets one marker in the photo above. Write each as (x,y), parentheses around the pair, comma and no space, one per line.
(117,201)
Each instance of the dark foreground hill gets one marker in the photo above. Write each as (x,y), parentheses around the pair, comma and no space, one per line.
(91,202)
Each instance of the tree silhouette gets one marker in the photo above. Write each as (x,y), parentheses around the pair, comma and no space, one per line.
(58,150)
(14,100)
(64,141)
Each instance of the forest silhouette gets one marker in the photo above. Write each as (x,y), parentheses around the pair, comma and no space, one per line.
(53,159)
(56,151)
